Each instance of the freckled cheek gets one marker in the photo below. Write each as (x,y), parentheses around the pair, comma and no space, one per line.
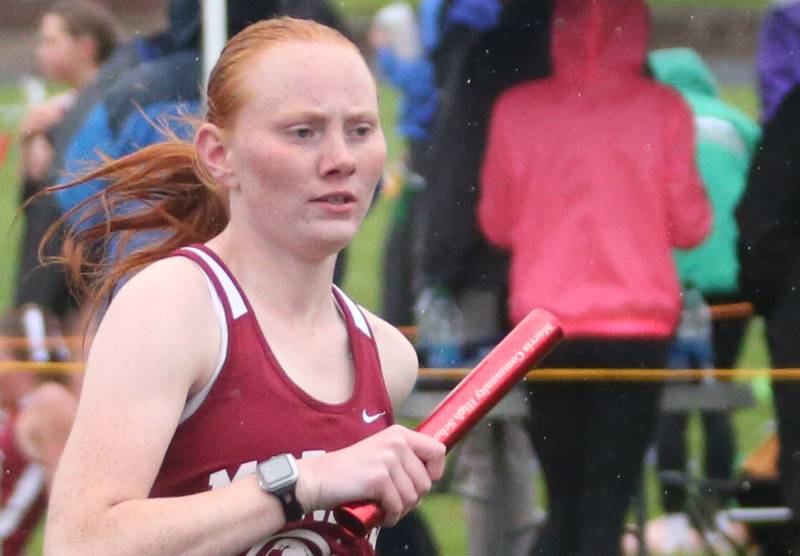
(271,169)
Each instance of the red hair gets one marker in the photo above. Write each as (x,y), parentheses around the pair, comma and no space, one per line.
(166,184)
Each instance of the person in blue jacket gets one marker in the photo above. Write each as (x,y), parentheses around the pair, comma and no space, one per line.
(159,98)
(163,91)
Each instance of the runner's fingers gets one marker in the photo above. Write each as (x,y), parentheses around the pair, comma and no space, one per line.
(405,485)
(435,468)
(392,504)
(418,474)
(425,447)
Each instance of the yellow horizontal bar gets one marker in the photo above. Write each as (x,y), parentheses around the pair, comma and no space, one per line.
(35,366)
(628,375)
(537,375)
(21,342)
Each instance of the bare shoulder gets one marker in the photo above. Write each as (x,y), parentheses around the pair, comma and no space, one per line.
(163,313)
(398,359)
(173,290)
(176,277)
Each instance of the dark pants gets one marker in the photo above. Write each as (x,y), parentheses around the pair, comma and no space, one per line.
(591,439)
(410,537)
(45,286)
(720,444)
(782,326)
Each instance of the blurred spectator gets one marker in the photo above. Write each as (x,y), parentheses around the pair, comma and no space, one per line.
(778,56)
(36,413)
(154,99)
(402,55)
(588,181)
(767,216)
(75,39)
(123,116)
(163,90)
(769,255)
(726,139)
(484,47)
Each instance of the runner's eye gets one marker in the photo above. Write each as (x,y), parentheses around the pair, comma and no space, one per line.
(362,130)
(302,132)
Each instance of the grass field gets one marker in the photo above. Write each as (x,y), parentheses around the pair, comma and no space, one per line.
(363,282)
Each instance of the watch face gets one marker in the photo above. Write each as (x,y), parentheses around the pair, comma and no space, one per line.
(277,469)
(278,472)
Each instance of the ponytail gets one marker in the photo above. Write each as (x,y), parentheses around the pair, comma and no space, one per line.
(162,189)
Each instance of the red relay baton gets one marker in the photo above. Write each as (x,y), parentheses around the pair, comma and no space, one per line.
(472,399)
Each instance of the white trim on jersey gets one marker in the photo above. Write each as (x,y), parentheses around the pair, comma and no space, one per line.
(194,403)
(238,307)
(358,316)
(26,491)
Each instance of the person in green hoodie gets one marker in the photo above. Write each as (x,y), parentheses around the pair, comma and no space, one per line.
(726,139)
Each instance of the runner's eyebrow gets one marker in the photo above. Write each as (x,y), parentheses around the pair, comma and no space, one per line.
(320,116)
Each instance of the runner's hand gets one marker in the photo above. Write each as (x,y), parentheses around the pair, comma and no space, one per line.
(395,468)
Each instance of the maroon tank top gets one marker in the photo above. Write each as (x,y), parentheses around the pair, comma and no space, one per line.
(251,410)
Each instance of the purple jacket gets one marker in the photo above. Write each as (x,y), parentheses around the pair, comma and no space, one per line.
(778,57)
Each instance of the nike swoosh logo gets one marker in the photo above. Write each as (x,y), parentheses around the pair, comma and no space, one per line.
(371,418)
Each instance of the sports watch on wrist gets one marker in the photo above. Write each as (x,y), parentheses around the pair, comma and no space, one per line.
(278,476)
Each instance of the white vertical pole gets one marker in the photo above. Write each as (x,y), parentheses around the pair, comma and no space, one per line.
(215,33)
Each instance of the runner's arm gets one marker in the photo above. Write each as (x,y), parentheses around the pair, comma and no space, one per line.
(152,349)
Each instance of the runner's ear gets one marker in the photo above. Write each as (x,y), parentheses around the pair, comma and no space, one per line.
(212,152)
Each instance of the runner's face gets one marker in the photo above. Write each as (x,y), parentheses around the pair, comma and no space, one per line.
(307,149)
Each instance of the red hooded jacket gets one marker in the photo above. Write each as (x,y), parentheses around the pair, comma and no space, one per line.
(589,180)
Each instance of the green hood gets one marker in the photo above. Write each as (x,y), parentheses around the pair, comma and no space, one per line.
(683,69)
(725,141)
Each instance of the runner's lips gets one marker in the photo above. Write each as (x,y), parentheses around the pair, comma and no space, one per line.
(336,198)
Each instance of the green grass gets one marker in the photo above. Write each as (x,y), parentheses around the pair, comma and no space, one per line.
(9,234)
(362,280)
(743,97)
(364,7)
(9,201)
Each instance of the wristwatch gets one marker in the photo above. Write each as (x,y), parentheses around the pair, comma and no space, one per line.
(278,476)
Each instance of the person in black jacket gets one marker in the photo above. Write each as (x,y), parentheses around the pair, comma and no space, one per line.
(769,253)
(473,66)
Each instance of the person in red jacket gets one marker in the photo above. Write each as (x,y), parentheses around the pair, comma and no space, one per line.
(588,182)
(36,413)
